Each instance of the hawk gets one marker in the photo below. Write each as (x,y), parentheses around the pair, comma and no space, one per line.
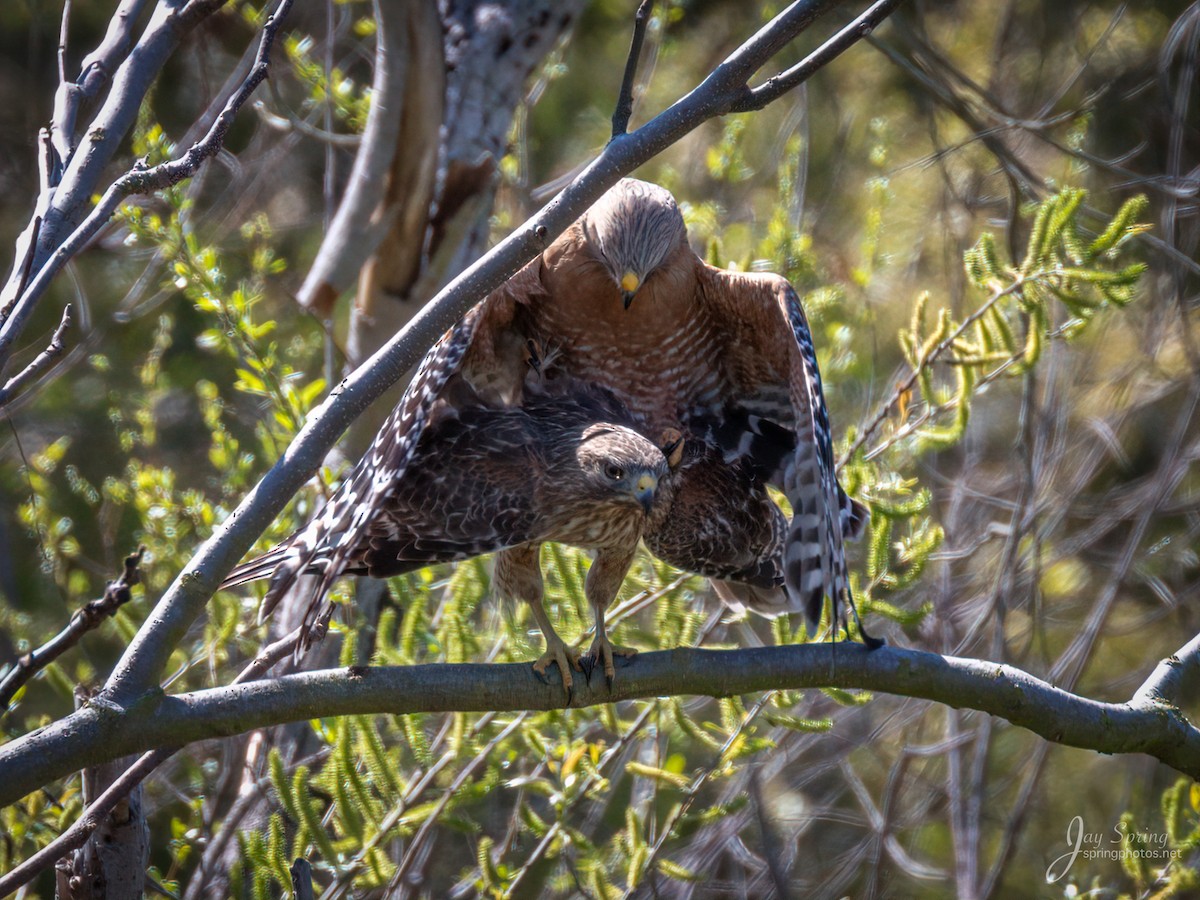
(563,466)
(725,357)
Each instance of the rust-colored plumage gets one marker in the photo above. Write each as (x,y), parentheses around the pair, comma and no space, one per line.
(726,357)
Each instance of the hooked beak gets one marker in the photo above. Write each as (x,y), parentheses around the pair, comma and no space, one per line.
(629,286)
(644,490)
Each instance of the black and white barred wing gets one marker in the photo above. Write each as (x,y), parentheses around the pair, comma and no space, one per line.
(325,544)
(775,384)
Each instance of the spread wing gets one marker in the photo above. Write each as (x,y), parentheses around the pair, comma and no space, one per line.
(474,347)
(773,384)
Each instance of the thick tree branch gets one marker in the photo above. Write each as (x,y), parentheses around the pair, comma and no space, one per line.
(354,233)
(139,669)
(79,832)
(102,731)
(1170,679)
(83,827)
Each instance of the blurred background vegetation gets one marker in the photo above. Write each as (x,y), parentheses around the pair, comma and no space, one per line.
(1034,492)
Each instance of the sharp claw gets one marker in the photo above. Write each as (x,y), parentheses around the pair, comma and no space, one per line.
(873,643)
(564,660)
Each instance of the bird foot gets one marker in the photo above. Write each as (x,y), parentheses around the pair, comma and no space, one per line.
(603,652)
(567,658)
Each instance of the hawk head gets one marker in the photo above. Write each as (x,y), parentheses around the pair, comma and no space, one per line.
(618,464)
(632,230)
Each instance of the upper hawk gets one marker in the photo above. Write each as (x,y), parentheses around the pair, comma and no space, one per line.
(619,304)
(726,357)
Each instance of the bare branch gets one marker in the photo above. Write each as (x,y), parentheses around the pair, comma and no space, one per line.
(81,830)
(74,179)
(1166,683)
(40,363)
(85,619)
(774,88)
(620,119)
(908,383)
(268,656)
(76,836)
(138,180)
(102,731)
(354,233)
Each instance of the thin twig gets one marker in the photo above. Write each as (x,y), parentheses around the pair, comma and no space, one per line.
(701,779)
(770,840)
(85,619)
(609,755)
(775,87)
(268,656)
(1019,282)
(40,363)
(620,118)
(451,792)
(62,42)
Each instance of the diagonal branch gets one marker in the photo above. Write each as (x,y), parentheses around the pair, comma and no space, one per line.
(40,363)
(83,827)
(102,732)
(620,119)
(94,816)
(85,619)
(776,86)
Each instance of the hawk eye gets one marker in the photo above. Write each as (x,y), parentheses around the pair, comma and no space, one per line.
(613,471)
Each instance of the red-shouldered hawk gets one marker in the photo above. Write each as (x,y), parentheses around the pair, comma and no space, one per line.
(723,356)
(564,466)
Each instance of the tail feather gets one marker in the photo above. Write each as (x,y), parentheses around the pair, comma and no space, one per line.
(813,562)
(255,569)
(853,516)
(329,544)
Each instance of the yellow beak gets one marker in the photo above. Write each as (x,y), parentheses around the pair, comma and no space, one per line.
(643,490)
(629,285)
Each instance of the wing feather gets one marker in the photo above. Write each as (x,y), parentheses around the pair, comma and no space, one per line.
(770,351)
